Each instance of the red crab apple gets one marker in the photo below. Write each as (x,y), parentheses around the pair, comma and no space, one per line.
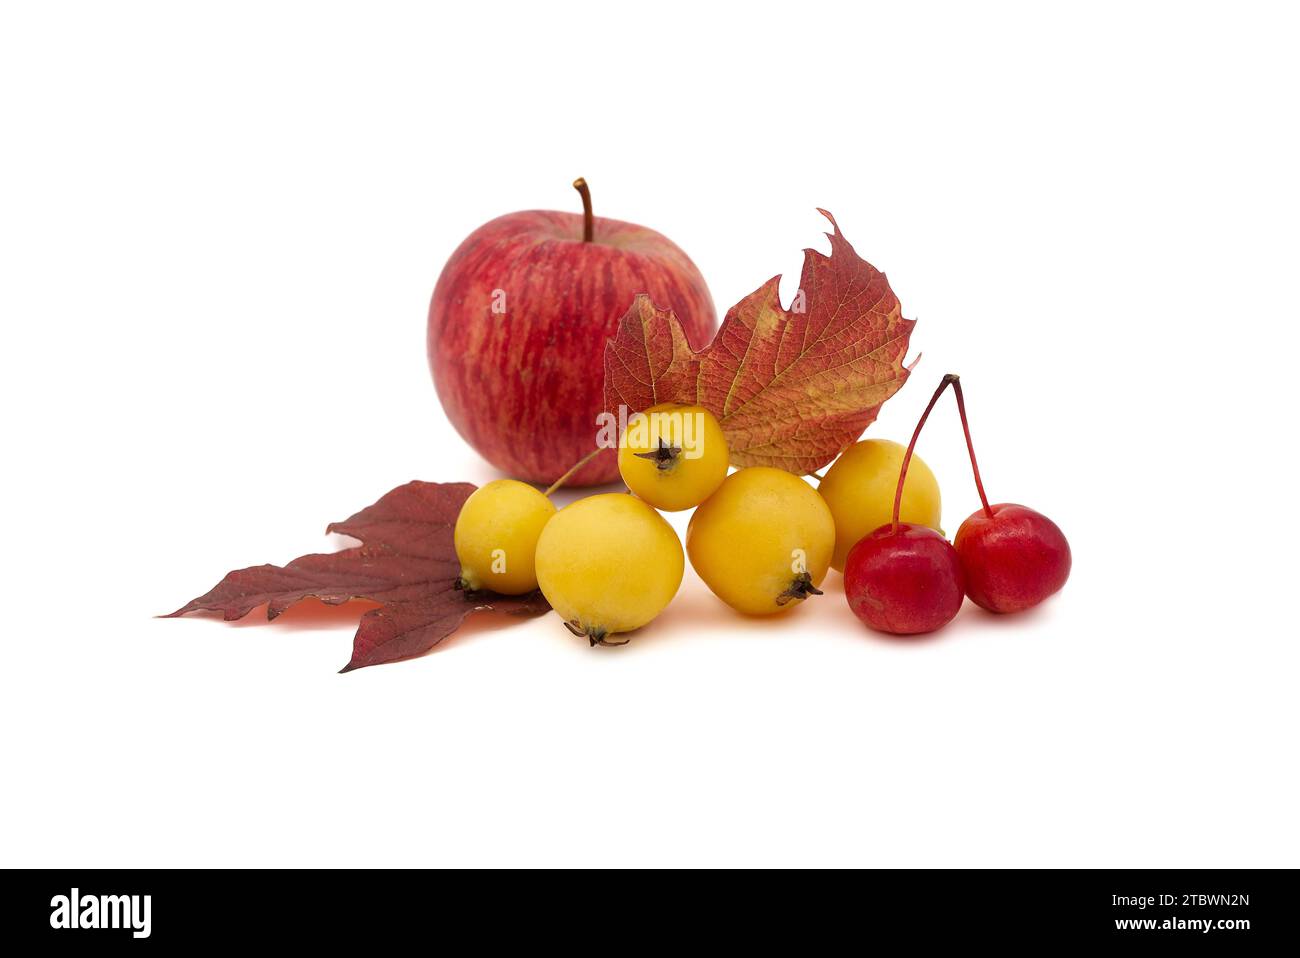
(1012,557)
(518,325)
(901,578)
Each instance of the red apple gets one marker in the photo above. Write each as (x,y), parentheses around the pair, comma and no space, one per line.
(518,325)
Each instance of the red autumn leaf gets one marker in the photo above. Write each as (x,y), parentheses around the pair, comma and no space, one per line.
(791,388)
(406,561)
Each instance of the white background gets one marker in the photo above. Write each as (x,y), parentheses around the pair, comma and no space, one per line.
(219,228)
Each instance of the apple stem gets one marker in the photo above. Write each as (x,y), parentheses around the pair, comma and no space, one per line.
(572,469)
(970,446)
(948,380)
(588,221)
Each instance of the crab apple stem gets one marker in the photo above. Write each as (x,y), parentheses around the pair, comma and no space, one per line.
(572,469)
(588,221)
(970,446)
(947,381)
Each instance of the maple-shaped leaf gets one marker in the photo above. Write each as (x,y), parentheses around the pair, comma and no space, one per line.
(791,388)
(407,562)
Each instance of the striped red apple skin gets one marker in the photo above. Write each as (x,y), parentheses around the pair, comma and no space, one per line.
(523,384)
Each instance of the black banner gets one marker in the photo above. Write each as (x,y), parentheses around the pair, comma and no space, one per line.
(118,909)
